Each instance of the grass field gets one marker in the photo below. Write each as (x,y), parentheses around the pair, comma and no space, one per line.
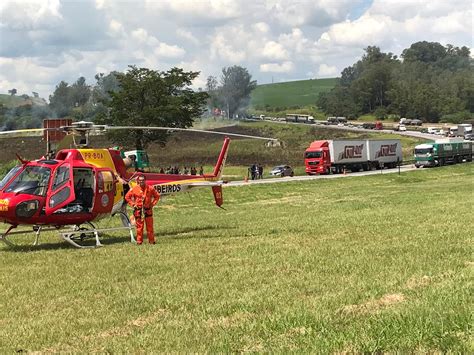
(294,93)
(368,264)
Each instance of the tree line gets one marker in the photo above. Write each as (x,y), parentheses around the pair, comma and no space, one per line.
(138,97)
(430,82)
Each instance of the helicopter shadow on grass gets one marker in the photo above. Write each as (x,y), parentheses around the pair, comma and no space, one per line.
(191,233)
(107,240)
(63,245)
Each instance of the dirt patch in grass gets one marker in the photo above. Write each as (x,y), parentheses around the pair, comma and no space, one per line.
(374,306)
(415,282)
(234,320)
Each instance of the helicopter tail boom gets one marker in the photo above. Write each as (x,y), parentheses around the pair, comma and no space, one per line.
(221,160)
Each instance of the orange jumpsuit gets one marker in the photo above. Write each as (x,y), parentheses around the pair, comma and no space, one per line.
(142,201)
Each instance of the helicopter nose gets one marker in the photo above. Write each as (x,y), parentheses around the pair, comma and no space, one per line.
(13,208)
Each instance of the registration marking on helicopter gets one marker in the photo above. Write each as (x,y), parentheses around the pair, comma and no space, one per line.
(98,157)
(4,205)
(168,189)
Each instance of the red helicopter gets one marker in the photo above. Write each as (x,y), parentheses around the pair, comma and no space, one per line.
(81,185)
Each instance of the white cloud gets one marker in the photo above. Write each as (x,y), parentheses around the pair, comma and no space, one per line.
(295,40)
(116,28)
(30,15)
(317,12)
(44,42)
(327,71)
(197,11)
(222,47)
(274,51)
(360,33)
(261,27)
(169,51)
(285,67)
(187,35)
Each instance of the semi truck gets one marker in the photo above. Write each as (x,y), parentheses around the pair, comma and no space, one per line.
(296,117)
(337,156)
(443,151)
(464,129)
(460,130)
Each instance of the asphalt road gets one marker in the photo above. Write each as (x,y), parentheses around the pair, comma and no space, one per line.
(360,129)
(403,168)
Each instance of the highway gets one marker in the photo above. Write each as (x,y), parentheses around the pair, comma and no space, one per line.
(358,129)
(403,168)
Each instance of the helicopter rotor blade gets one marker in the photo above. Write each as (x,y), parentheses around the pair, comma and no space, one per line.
(188,130)
(23,132)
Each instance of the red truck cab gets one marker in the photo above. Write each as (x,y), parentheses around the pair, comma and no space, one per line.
(317,159)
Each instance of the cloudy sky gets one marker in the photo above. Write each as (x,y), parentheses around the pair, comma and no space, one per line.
(45,41)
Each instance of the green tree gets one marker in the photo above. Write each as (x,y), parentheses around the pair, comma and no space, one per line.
(105,85)
(236,86)
(212,89)
(426,52)
(152,98)
(433,81)
(80,92)
(60,101)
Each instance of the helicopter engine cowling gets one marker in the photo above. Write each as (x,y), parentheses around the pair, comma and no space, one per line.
(128,162)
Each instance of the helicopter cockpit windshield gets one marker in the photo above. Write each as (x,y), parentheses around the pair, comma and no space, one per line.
(32,180)
(8,176)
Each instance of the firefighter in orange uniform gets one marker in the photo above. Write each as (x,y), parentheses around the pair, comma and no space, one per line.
(142,198)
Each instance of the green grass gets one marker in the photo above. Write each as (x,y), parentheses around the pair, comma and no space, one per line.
(288,94)
(369,264)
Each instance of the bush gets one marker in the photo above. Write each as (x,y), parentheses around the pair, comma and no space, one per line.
(458,117)
(5,168)
(381,113)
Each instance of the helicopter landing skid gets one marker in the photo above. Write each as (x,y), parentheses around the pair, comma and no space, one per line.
(77,236)
(81,233)
(36,229)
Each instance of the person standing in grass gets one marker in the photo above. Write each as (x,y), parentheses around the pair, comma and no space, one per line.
(142,198)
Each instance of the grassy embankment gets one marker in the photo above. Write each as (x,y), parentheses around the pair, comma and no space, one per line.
(290,97)
(187,149)
(379,263)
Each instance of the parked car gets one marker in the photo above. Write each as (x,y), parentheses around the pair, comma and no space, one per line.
(282,170)
(469,137)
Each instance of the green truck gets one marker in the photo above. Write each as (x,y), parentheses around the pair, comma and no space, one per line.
(138,160)
(441,152)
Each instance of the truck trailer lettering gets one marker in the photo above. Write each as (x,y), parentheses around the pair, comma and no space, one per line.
(351,152)
(387,150)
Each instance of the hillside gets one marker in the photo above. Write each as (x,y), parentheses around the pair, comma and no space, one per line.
(288,94)
(10,101)
(187,148)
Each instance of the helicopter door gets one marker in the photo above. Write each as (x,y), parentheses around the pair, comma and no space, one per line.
(105,190)
(61,192)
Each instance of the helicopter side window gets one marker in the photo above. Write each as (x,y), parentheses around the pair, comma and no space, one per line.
(105,181)
(59,197)
(62,176)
